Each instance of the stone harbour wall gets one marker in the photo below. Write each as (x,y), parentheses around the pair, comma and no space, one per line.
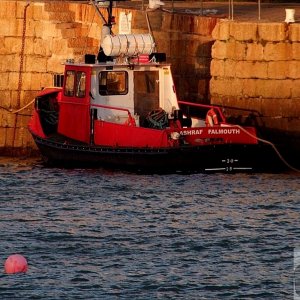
(30,56)
(256,66)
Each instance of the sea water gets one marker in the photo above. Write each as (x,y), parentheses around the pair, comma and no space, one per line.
(96,234)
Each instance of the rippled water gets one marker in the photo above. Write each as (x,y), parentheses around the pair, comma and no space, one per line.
(94,234)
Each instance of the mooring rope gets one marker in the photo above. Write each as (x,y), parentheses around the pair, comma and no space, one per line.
(269,143)
(18,110)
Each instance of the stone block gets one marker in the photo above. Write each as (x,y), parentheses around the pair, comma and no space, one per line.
(177,48)
(204,26)
(230,68)
(5,99)
(10,63)
(254,51)
(38,11)
(293,69)
(35,82)
(162,42)
(236,50)
(3,49)
(273,107)
(278,51)
(217,68)
(294,32)
(296,88)
(219,50)
(41,47)
(139,21)
(290,108)
(26,80)
(273,88)
(34,63)
(8,119)
(3,81)
(13,45)
(277,69)
(60,46)
(61,16)
(56,6)
(225,87)
(296,50)
(251,69)
(221,31)
(8,9)
(13,80)
(243,31)
(2,137)
(272,32)
(6,27)
(46,80)
(47,30)
(20,10)
(197,46)
(249,88)
(23,120)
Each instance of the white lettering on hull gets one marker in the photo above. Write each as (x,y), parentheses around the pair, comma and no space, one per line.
(191,132)
(229,131)
(224,131)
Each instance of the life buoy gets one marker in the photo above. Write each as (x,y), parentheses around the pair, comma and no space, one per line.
(211,118)
(130,121)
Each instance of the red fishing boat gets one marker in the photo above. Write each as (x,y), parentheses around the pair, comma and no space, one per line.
(120,110)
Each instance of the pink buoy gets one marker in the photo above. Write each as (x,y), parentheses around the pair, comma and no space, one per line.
(15,263)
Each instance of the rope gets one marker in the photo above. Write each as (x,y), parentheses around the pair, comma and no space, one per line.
(18,110)
(269,143)
(149,29)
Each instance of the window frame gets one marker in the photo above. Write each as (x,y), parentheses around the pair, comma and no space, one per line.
(75,87)
(103,88)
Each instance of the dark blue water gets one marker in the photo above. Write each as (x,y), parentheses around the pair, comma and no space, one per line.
(94,234)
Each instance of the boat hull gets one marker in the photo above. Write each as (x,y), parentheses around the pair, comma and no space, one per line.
(230,158)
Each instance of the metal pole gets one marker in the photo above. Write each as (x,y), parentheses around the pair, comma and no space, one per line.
(259,10)
(230,9)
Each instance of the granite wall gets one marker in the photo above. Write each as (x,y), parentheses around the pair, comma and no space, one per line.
(256,66)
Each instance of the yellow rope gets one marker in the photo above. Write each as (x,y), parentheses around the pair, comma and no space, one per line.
(16,111)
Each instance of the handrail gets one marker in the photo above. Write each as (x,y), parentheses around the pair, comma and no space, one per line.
(205,106)
(112,107)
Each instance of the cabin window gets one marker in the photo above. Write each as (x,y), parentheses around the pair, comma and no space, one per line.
(80,84)
(113,83)
(75,87)
(70,82)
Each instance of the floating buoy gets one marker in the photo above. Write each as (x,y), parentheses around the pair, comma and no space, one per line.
(15,263)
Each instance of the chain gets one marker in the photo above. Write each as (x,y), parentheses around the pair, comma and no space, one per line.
(20,70)
(22,55)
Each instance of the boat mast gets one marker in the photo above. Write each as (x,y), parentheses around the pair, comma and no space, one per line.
(107,24)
